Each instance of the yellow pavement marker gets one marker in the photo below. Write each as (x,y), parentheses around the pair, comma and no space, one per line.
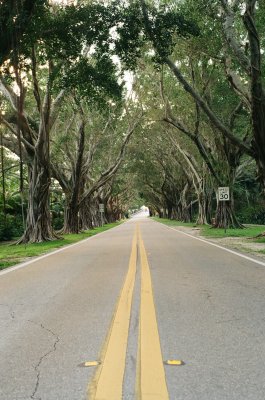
(151,380)
(174,362)
(89,364)
(108,380)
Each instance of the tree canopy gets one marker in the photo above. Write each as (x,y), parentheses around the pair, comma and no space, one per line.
(121,102)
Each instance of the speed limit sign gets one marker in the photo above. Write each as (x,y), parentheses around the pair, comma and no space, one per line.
(223,194)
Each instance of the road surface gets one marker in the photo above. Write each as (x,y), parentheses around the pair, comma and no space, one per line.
(128,300)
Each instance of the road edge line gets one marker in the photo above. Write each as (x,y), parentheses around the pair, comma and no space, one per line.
(214,244)
(67,246)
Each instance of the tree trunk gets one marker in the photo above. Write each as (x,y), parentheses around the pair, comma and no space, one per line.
(169,210)
(257,89)
(86,217)
(160,213)
(185,214)
(113,209)
(71,219)
(38,223)
(174,212)
(225,216)
(202,209)
(151,212)
(89,214)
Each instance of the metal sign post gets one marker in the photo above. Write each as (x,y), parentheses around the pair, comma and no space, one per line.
(101,210)
(224,195)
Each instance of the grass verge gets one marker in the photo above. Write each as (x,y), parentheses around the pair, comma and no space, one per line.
(248,232)
(208,231)
(11,254)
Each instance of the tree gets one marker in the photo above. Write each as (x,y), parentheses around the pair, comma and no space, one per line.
(250,62)
(169,28)
(48,55)
(85,159)
(15,18)
(11,208)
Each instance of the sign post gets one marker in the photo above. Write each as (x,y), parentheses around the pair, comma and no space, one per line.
(224,195)
(101,210)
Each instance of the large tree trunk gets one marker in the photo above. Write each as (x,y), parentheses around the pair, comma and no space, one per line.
(113,210)
(38,223)
(257,89)
(89,214)
(174,212)
(202,209)
(71,219)
(152,211)
(86,217)
(225,216)
(160,212)
(169,210)
(71,214)
(185,214)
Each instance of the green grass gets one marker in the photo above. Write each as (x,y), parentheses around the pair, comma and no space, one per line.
(208,231)
(261,251)
(249,231)
(11,254)
(260,239)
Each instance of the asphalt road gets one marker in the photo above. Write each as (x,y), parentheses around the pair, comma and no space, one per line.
(183,299)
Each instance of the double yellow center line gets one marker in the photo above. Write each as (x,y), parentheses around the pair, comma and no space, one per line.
(150,381)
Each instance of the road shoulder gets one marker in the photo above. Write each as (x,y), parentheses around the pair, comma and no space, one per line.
(244,245)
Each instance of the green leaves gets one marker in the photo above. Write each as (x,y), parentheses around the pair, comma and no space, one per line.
(140,23)
(130,40)
(94,79)
(165,28)
(17,19)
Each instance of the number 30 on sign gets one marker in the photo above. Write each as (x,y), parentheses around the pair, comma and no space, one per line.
(223,194)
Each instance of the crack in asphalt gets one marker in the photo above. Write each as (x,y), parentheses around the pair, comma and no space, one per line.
(209,295)
(10,310)
(37,366)
(234,319)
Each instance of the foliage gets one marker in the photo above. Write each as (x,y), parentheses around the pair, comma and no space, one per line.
(252,214)
(164,25)
(10,227)
(96,82)
(16,19)
(69,62)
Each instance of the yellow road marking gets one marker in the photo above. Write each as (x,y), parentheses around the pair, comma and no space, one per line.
(174,362)
(108,380)
(91,364)
(151,380)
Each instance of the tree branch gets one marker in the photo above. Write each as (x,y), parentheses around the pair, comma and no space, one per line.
(202,103)
(15,133)
(107,175)
(237,84)
(230,34)
(9,94)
